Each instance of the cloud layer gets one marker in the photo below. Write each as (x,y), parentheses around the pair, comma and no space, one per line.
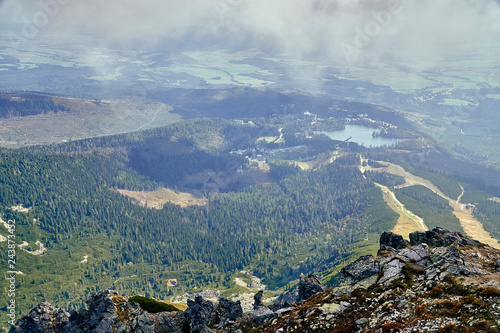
(340,31)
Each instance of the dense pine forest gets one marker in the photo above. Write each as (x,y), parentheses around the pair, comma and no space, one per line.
(278,221)
(27,104)
(74,209)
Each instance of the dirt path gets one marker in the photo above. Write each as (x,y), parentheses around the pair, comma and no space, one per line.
(407,221)
(461,194)
(471,226)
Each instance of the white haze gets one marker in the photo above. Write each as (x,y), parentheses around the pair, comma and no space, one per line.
(417,33)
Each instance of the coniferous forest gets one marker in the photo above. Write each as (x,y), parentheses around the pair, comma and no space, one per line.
(278,221)
(76,210)
(28,105)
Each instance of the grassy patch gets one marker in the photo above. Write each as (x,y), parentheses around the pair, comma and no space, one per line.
(236,290)
(456,102)
(154,306)
(363,248)
(156,199)
(420,202)
(448,186)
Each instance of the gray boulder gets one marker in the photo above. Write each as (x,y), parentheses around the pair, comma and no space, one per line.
(261,315)
(258,300)
(43,319)
(362,268)
(309,286)
(439,237)
(389,239)
(107,312)
(391,271)
(228,311)
(110,312)
(415,253)
(286,300)
(199,315)
(167,322)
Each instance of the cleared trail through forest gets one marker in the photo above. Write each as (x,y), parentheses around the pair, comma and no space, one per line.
(471,226)
(407,221)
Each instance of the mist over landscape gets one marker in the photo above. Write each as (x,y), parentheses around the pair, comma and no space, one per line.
(173,150)
(410,55)
(417,34)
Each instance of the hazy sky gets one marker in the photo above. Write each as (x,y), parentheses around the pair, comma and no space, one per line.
(333,30)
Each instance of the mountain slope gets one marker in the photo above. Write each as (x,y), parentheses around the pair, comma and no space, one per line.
(443,282)
(97,239)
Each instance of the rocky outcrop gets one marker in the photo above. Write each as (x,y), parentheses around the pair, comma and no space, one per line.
(308,286)
(228,312)
(261,315)
(286,300)
(439,237)
(107,312)
(441,282)
(166,322)
(258,300)
(362,268)
(389,239)
(434,252)
(199,315)
(44,319)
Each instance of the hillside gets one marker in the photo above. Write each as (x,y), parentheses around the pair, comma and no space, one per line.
(441,281)
(240,166)
(29,119)
(95,238)
(213,203)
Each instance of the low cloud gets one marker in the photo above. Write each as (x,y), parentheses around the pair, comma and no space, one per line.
(413,32)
